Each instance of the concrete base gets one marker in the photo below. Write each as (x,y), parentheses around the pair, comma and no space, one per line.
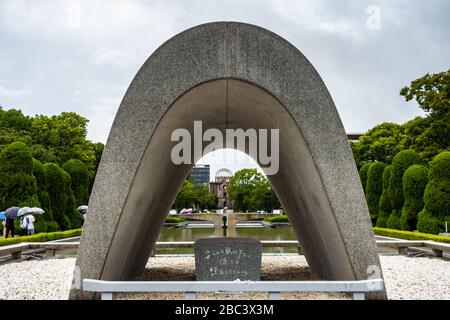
(228,75)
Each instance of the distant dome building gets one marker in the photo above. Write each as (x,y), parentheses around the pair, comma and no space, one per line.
(223,173)
(219,187)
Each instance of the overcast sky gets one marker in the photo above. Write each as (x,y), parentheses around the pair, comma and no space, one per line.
(81,55)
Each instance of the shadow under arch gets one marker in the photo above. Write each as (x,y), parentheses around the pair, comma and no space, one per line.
(226,84)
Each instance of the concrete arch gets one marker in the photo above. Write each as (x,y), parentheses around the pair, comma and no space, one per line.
(229,75)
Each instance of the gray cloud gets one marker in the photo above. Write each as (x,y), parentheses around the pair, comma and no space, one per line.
(81,55)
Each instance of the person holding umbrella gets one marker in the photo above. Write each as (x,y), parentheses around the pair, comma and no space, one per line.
(3,220)
(22,212)
(29,219)
(11,215)
(83,211)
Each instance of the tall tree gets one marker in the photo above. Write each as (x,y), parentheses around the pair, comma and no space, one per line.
(432,93)
(250,190)
(64,137)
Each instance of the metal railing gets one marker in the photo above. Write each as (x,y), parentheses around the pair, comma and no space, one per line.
(358,289)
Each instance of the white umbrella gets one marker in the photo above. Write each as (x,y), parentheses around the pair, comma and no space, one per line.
(35,210)
(22,211)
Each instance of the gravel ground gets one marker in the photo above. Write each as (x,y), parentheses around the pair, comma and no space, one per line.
(405,277)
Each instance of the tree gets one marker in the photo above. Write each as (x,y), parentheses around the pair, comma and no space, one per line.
(240,188)
(414,182)
(363,175)
(250,190)
(432,93)
(80,180)
(381,143)
(64,136)
(61,196)
(185,197)
(17,183)
(402,161)
(385,208)
(44,223)
(263,197)
(203,198)
(374,188)
(437,196)
(14,119)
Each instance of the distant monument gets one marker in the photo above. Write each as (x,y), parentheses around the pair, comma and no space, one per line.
(220,187)
(227,75)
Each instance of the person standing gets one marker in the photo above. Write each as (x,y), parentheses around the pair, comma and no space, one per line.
(11,215)
(28,224)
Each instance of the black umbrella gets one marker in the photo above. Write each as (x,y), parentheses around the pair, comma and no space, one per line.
(11,213)
(82,209)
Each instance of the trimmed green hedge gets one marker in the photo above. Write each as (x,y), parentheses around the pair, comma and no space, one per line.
(175,220)
(363,174)
(402,161)
(281,218)
(41,237)
(414,182)
(80,179)
(437,196)
(17,183)
(385,207)
(409,235)
(374,189)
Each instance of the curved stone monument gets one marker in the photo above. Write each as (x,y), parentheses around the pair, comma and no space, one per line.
(228,75)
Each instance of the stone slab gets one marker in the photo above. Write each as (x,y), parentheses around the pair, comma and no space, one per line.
(228,259)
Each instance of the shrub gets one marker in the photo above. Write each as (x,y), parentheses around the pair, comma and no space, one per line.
(409,235)
(281,218)
(384,208)
(437,196)
(414,182)
(175,220)
(402,161)
(363,175)
(58,187)
(17,183)
(41,237)
(374,188)
(79,175)
(44,198)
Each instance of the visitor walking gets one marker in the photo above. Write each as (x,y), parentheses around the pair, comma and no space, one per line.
(11,215)
(28,224)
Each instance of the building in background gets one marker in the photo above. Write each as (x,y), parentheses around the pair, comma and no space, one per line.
(200,173)
(219,187)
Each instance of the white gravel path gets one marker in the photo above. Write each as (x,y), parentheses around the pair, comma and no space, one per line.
(405,277)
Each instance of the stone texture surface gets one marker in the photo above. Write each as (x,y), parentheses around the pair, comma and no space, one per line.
(227,259)
(227,75)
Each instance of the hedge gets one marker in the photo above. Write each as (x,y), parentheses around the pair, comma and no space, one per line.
(363,175)
(80,180)
(44,198)
(61,197)
(414,182)
(281,218)
(401,162)
(374,189)
(385,208)
(17,183)
(437,196)
(41,237)
(175,220)
(409,235)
